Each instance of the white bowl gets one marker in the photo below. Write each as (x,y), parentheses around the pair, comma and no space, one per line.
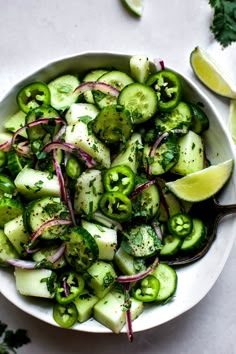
(195,280)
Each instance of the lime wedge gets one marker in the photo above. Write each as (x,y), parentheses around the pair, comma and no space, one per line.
(210,74)
(202,184)
(232,119)
(134,6)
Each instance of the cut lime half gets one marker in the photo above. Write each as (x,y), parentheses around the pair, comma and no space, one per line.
(202,184)
(210,74)
(134,6)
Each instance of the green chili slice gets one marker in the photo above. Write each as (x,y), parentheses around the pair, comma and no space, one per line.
(116,205)
(33,95)
(119,179)
(70,286)
(147,289)
(65,315)
(180,225)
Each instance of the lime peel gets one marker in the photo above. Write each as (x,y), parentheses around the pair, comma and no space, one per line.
(134,6)
(202,184)
(210,74)
(232,120)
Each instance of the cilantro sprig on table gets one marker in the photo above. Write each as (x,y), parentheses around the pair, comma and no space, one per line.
(224,21)
(10,340)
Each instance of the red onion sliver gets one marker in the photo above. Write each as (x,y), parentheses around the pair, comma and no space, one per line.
(127,306)
(60,177)
(159,64)
(5,146)
(20,263)
(71,149)
(138,276)
(57,255)
(157,229)
(140,188)
(47,224)
(97,86)
(33,124)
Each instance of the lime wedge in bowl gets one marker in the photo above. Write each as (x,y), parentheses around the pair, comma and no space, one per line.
(210,74)
(202,184)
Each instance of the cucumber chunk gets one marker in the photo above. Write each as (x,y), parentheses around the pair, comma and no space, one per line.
(7,251)
(125,262)
(140,68)
(15,122)
(79,135)
(101,277)
(88,191)
(171,245)
(16,233)
(191,154)
(92,75)
(83,111)
(196,238)
(34,282)
(111,313)
(34,184)
(85,303)
(106,239)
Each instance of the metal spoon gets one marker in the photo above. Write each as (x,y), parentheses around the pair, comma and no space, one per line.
(211,212)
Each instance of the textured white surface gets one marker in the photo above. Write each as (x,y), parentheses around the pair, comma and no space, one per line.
(32,33)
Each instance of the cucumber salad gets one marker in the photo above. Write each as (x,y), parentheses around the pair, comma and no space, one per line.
(87,219)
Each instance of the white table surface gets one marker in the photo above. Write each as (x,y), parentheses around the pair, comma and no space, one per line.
(34,32)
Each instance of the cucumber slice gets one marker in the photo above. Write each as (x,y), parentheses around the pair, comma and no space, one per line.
(125,262)
(178,118)
(9,209)
(49,251)
(41,210)
(167,277)
(196,238)
(141,241)
(112,125)
(62,91)
(16,163)
(115,78)
(140,100)
(81,249)
(146,204)
(93,75)
(171,245)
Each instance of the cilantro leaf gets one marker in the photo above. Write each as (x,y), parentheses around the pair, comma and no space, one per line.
(12,340)
(224,21)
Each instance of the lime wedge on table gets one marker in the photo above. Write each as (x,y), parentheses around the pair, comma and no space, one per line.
(209,74)
(202,184)
(134,6)
(232,119)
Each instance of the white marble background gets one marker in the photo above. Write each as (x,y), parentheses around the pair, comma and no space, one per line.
(34,32)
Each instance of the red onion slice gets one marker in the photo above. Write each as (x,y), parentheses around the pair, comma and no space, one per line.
(57,255)
(47,224)
(60,177)
(71,149)
(138,276)
(140,188)
(157,228)
(33,124)
(97,86)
